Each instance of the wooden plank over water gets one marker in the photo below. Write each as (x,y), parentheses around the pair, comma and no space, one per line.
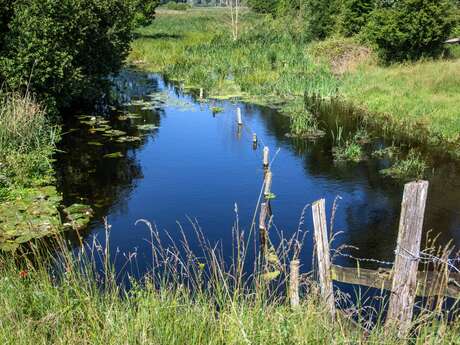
(382,279)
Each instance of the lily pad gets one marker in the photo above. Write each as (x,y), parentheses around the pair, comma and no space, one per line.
(95,143)
(79,215)
(114,155)
(128,139)
(147,127)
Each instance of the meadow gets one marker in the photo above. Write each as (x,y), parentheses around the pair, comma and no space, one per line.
(273,62)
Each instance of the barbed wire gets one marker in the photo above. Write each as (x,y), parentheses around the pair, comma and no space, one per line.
(339,253)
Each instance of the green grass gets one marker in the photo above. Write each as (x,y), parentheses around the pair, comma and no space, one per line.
(27,142)
(425,94)
(273,62)
(184,300)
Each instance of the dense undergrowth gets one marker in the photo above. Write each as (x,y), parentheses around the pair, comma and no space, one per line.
(273,61)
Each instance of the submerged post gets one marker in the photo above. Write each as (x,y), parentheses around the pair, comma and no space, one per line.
(239,119)
(294,283)
(404,285)
(323,254)
(266,159)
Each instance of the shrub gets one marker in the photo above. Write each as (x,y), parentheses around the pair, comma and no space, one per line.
(355,15)
(410,29)
(264,6)
(177,6)
(321,17)
(64,50)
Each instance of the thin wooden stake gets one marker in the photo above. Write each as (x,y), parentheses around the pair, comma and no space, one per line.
(239,119)
(266,159)
(323,254)
(263,228)
(294,283)
(268,185)
(404,284)
(201,93)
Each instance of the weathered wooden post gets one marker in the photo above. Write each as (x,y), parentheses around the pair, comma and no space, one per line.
(294,283)
(263,233)
(404,285)
(239,119)
(266,159)
(254,141)
(323,254)
(201,94)
(268,185)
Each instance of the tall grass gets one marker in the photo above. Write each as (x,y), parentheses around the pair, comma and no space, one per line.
(27,142)
(269,59)
(187,298)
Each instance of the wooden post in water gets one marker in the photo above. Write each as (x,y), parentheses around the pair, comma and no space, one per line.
(263,233)
(323,254)
(268,185)
(239,119)
(404,286)
(294,283)
(254,141)
(266,159)
(201,94)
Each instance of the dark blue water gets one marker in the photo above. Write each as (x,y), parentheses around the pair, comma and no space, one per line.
(198,165)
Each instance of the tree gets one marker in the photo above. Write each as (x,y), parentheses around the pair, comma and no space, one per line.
(64,50)
(410,29)
(355,15)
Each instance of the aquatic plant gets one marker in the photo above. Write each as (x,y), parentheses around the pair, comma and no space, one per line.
(410,167)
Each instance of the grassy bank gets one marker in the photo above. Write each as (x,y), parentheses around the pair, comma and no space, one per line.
(272,61)
(28,198)
(185,300)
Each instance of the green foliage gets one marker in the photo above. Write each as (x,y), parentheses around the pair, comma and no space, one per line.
(321,17)
(64,50)
(355,15)
(264,6)
(411,167)
(410,29)
(177,6)
(26,143)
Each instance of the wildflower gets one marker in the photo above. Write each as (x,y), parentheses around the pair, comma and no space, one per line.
(23,273)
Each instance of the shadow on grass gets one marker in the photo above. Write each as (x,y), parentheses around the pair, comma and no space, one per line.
(160,35)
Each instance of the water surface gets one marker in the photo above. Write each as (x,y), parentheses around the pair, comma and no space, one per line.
(198,165)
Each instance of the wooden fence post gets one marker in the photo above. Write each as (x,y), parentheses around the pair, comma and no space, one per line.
(268,185)
(263,233)
(239,119)
(323,254)
(294,283)
(404,285)
(266,160)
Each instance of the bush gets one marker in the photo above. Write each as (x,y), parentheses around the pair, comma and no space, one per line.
(321,17)
(177,6)
(64,50)
(264,6)
(410,29)
(355,15)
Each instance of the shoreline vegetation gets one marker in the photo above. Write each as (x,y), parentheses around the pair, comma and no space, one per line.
(186,299)
(273,63)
